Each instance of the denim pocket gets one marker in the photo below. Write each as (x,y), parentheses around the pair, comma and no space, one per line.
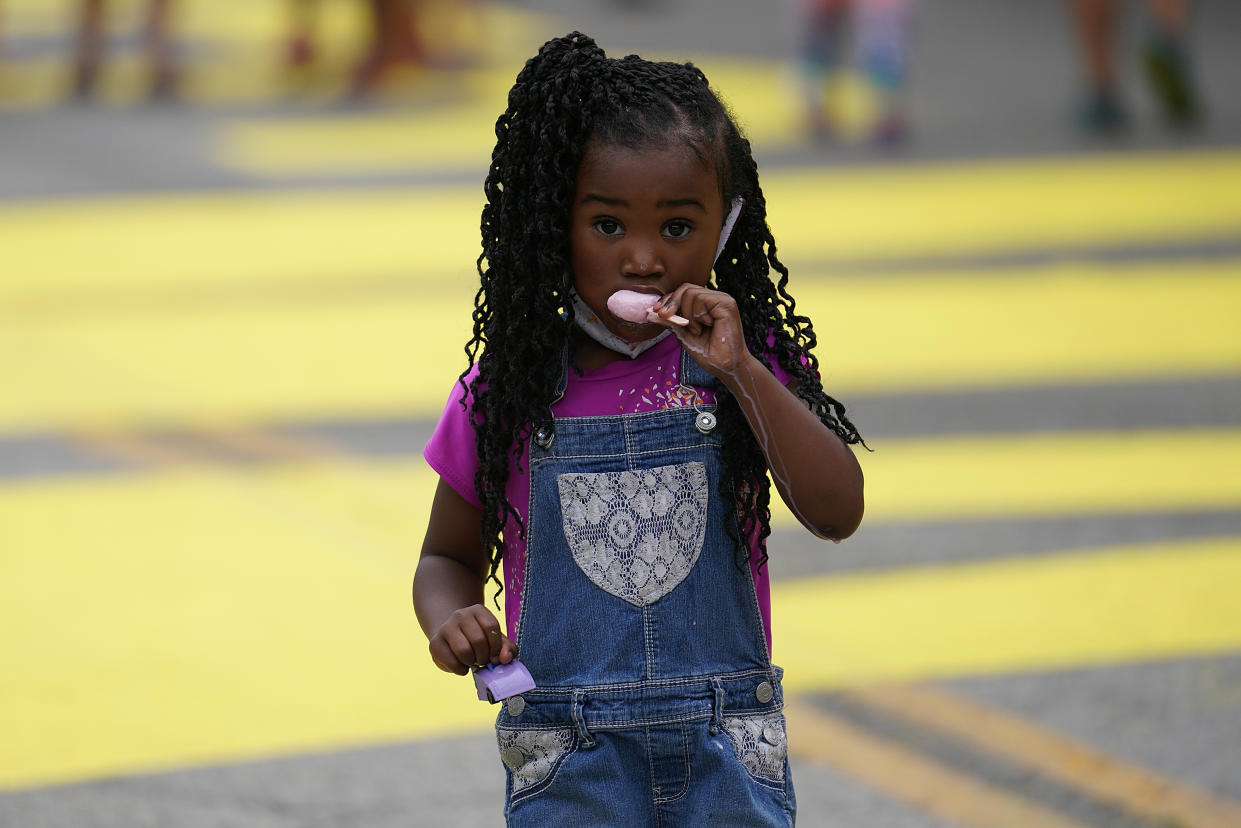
(761,743)
(533,755)
(636,534)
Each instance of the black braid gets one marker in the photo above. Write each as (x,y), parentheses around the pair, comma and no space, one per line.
(569,94)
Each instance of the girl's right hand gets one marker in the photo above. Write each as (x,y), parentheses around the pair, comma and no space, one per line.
(471,637)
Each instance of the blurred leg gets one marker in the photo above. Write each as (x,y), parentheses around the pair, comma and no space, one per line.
(1096,31)
(300,46)
(88,48)
(1170,15)
(1168,63)
(1095,22)
(823,26)
(883,35)
(401,36)
(394,41)
(161,51)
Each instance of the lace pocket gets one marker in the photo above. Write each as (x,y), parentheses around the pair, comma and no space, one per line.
(531,756)
(761,743)
(636,534)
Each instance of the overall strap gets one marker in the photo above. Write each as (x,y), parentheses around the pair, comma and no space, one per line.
(694,374)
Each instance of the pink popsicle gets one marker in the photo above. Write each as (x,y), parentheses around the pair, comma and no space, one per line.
(633,306)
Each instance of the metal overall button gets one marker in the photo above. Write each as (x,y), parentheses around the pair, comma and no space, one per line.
(704,421)
(764,692)
(543,437)
(515,706)
(771,735)
(514,757)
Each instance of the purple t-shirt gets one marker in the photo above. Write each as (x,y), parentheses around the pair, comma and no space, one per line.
(649,382)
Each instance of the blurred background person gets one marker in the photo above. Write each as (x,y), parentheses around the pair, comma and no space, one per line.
(302,38)
(874,36)
(396,41)
(401,35)
(90,49)
(1166,59)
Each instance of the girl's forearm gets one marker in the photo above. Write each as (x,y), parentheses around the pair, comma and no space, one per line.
(814,470)
(443,585)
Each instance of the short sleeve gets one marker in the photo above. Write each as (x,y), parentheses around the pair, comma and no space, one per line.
(776,368)
(452,450)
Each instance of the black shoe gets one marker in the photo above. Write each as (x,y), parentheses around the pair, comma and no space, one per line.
(1103,114)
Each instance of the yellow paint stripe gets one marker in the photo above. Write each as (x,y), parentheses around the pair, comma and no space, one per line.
(928,210)
(928,786)
(1054,755)
(1070,322)
(1052,474)
(165,242)
(1046,475)
(197,616)
(190,618)
(399,353)
(1049,612)
(816,215)
(242,365)
(1005,205)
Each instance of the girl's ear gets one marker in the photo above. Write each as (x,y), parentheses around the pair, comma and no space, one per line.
(727,230)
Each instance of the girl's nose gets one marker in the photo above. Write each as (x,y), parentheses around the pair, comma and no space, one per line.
(642,260)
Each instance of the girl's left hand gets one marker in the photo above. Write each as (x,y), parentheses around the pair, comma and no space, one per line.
(714,336)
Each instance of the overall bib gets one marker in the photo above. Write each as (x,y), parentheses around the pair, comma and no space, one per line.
(657,703)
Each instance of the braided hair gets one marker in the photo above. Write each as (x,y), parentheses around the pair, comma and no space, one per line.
(566,96)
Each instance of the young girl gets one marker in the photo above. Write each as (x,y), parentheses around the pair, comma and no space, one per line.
(619,469)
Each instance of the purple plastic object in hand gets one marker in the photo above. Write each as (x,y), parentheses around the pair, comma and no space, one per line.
(497,682)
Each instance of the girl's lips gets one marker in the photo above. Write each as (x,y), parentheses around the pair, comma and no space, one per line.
(633,306)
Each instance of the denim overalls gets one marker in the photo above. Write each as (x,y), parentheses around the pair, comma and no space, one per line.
(657,703)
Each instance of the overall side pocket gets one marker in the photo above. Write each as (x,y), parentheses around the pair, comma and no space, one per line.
(761,743)
(531,756)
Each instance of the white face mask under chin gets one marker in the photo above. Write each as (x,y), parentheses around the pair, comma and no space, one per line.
(593,326)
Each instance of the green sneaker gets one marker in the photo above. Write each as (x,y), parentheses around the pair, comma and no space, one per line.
(1168,73)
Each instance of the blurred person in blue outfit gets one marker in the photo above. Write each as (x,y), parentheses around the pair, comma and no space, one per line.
(1166,59)
(879,32)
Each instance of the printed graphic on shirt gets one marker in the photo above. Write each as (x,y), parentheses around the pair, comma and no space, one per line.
(662,389)
(636,534)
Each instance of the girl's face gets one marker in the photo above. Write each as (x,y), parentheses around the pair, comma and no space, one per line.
(642,219)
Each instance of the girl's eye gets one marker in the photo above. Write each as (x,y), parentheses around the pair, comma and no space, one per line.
(677,229)
(608,227)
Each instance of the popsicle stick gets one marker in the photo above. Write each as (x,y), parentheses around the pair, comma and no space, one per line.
(674,319)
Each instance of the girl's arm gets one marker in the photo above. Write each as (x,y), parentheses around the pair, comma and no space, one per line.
(815,471)
(448,589)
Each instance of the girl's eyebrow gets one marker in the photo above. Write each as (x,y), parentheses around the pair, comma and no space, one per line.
(620,202)
(681,202)
(611,202)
